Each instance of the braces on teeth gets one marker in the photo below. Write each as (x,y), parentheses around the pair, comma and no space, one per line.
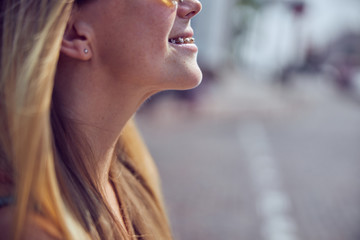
(182,40)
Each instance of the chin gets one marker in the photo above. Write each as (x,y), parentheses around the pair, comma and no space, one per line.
(195,79)
(189,78)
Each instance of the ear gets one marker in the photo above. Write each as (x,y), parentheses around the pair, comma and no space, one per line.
(77,40)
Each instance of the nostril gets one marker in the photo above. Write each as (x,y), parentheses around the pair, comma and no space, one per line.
(190,14)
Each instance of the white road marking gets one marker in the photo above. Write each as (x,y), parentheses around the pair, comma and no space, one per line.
(272,202)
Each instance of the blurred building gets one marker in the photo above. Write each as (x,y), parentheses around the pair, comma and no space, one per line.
(278,36)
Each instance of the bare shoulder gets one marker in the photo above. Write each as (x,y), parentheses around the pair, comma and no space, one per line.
(36,228)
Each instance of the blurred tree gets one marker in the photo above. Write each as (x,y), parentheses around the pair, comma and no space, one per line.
(244,15)
(255,4)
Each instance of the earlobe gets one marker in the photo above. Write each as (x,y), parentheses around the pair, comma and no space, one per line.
(76,49)
(76,42)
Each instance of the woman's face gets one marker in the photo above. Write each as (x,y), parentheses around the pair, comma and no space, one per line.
(139,42)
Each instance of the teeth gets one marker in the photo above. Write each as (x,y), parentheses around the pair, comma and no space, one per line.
(181,40)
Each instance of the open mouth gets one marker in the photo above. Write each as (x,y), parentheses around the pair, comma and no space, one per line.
(182,40)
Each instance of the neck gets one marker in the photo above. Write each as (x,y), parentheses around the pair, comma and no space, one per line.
(102,131)
(101,107)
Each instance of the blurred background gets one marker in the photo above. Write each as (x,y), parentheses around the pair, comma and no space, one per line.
(267,147)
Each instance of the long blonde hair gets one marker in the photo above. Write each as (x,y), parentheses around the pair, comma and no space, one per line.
(44,154)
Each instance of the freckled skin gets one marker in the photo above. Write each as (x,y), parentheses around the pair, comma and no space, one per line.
(134,48)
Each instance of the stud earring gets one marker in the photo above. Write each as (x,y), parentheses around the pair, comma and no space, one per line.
(86,51)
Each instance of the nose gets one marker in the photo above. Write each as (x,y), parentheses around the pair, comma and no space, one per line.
(189,8)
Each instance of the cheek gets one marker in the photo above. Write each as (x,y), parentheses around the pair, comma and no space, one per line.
(135,43)
(140,23)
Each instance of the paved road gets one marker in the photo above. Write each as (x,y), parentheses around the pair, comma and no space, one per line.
(251,162)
